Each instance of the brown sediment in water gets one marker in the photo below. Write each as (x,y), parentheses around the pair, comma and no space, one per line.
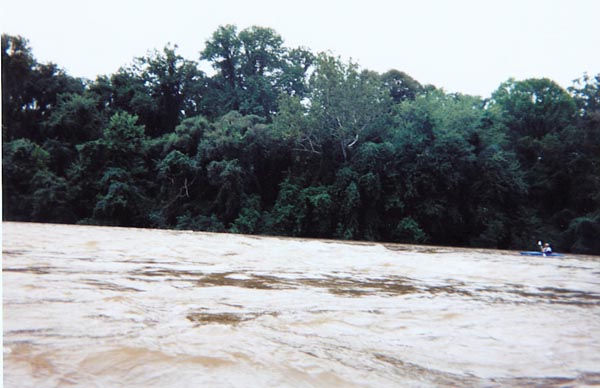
(91,306)
(227,318)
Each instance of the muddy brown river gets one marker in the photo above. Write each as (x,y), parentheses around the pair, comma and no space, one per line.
(118,307)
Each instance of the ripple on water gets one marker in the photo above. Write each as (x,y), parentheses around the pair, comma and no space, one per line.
(217,311)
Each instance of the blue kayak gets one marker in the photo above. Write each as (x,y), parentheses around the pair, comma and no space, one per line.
(538,253)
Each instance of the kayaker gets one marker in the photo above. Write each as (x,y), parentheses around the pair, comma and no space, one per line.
(546,249)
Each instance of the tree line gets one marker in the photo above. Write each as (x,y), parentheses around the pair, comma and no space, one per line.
(285,141)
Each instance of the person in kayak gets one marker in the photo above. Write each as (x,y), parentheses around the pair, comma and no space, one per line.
(546,249)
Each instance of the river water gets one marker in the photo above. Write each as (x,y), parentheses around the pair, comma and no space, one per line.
(108,307)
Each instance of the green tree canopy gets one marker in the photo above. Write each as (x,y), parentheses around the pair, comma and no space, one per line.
(284,141)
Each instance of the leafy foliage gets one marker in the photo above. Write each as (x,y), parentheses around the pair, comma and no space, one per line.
(283,141)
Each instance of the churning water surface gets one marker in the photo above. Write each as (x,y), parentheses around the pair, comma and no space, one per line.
(107,307)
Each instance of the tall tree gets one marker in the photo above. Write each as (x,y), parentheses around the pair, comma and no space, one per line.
(253,68)
(347,103)
(111,175)
(176,87)
(29,90)
(539,117)
(401,85)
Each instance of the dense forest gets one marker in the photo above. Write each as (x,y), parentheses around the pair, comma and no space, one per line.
(284,141)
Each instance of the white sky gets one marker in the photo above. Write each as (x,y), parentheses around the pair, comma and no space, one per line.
(467,46)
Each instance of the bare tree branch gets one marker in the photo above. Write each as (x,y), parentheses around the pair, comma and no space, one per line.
(353,142)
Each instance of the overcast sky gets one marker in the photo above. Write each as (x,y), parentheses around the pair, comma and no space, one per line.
(467,46)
